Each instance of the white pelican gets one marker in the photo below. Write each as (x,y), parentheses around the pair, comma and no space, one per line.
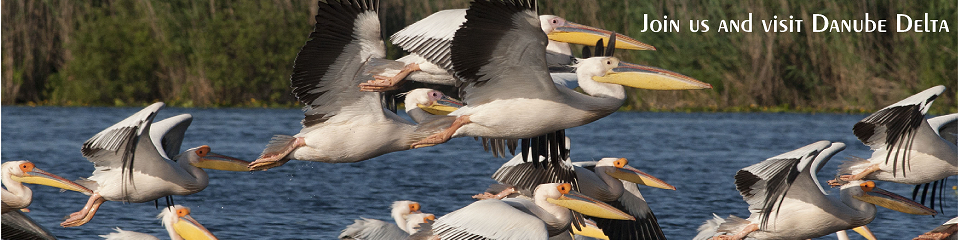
(609,180)
(946,128)
(943,232)
(178,222)
(341,124)
(786,201)
(425,105)
(15,195)
(547,214)
(406,214)
(132,164)
(498,56)
(429,39)
(906,148)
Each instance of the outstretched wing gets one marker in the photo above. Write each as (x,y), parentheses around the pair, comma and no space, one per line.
(116,147)
(167,134)
(646,225)
(489,219)
(499,53)
(431,36)
(325,74)
(764,185)
(895,127)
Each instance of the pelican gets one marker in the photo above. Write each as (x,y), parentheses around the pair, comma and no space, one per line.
(518,218)
(341,124)
(429,39)
(17,196)
(498,57)
(787,202)
(609,180)
(132,163)
(426,105)
(946,128)
(406,214)
(906,148)
(178,222)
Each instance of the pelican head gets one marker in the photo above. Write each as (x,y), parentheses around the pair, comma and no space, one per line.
(562,194)
(431,101)
(867,191)
(561,30)
(618,168)
(201,157)
(613,71)
(26,172)
(180,225)
(415,219)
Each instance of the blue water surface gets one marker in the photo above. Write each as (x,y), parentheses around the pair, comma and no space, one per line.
(697,152)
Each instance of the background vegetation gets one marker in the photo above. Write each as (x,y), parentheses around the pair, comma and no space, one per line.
(240,53)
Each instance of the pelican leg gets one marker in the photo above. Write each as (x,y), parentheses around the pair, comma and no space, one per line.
(388,83)
(500,195)
(861,175)
(443,136)
(275,159)
(85,214)
(742,234)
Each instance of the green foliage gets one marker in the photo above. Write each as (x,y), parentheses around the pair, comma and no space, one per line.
(241,53)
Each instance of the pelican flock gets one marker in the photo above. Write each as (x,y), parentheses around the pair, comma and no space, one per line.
(518,84)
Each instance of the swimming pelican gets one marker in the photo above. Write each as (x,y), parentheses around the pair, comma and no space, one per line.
(498,56)
(341,124)
(406,214)
(906,147)
(132,163)
(429,39)
(518,218)
(15,195)
(178,222)
(786,201)
(609,180)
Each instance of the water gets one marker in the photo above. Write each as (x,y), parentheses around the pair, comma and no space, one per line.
(696,152)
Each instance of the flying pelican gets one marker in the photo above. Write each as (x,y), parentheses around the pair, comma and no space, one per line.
(609,180)
(906,148)
(786,201)
(425,105)
(498,56)
(178,222)
(341,124)
(15,195)
(429,39)
(132,163)
(946,128)
(406,214)
(519,218)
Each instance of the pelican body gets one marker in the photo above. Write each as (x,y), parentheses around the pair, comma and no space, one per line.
(406,214)
(498,58)
(907,149)
(341,124)
(178,223)
(132,163)
(547,214)
(429,41)
(786,201)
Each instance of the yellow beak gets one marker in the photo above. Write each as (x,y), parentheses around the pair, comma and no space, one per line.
(444,106)
(190,229)
(865,232)
(37,176)
(585,35)
(590,230)
(639,76)
(589,206)
(630,174)
(895,202)
(223,163)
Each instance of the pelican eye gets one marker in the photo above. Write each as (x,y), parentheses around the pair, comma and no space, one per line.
(183,212)
(619,163)
(867,186)
(564,188)
(414,207)
(203,150)
(27,166)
